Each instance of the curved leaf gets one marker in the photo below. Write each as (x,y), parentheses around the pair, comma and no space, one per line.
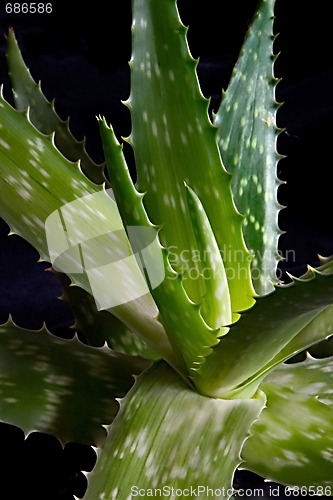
(254,344)
(28,94)
(215,306)
(37,184)
(175,142)
(312,337)
(189,335)
(61,387)
(292,442)
(168,436)
(313,377)
(247,139)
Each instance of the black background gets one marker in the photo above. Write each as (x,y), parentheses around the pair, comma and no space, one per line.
(80,54)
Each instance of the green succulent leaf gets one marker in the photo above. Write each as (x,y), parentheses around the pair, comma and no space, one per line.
(174,142)
(216,307)
(247,140)
(61,386)
(35,178)
(28,94)
(292,442)
(153,443)
(44,193)
(189,334)
(97,327)
(312,337)
(313,377)
(279,325)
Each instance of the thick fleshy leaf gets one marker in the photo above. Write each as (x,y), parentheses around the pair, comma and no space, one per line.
(35,178)
(312,377)
(247,140)
(189,335)
(62,387)
(167,435)
(175,142)
(254,344)
(216,307)
(28,94)
(40,188)
(316,331)
(292,442)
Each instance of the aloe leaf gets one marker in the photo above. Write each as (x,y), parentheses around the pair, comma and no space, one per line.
(313,377)
(97,327)
(44,193)
(252,346)
(216,307)
(247,139)
(61,386)
(28,94)
(154,443)
(175,142)
(292,442)
(35,178)
(189,334)
(316,331)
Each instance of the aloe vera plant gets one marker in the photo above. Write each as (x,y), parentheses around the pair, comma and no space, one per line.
(172,280)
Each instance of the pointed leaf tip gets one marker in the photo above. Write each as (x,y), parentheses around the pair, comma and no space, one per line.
(247,141)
